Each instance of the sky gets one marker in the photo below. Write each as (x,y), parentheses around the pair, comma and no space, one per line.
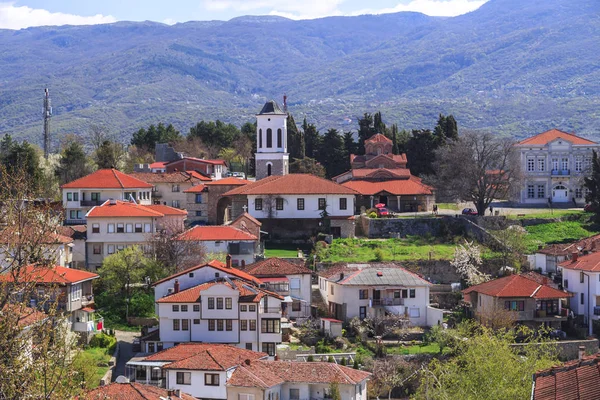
(18,14)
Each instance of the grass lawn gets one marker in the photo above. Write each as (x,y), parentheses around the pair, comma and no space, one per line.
(282,253)
(97,357)
(557,232)
(432,348)
(547,214)
(410,248)
(448,206)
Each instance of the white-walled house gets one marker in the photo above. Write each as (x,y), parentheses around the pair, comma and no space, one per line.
(200,369)
(553,165)
(581,276)
(290,280)
(78,235)
(54,247)
(80,195)
(547,259)
(169,188)
(363,290)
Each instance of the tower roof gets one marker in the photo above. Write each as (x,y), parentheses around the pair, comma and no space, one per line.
(271,107)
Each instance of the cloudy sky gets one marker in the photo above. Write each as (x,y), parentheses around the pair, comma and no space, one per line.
(19,14)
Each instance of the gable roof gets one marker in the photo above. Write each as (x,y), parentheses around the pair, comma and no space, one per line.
(291,184)
(43,274)
(378,138)
(166,210)
(397,187)
(373,275)
(107,179)
(200,176)
(275,267)
(215,233)
(271,107)
(590,263)
(26,316)
(165,177)
(247,293)
(216,264)
(589,244)
(575,380)
(231,180)
(517,286)
(265,374)
(122,209)
(249,217)
(196,189)
(131,391)
(204,356)
(196,159)
(552,135)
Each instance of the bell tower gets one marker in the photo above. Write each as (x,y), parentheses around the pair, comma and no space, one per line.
(271,155)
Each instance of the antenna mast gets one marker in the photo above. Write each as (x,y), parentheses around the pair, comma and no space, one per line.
(285,110)
(47,115)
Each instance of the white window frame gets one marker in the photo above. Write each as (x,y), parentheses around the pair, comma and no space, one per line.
(530,164)
(111,228)
(111,249)
(128,228)
(147,228)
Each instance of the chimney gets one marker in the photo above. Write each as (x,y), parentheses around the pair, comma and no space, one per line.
(341,276)
(176,286)
(178,392)
(170,393)
(581,352)
(574,256)
(243,263)
(228,260)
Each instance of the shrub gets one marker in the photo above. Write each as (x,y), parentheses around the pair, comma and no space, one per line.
(343,361)
(104,341)
(355,365)
(378,254)
(310,358)
(330,359)
(372,214)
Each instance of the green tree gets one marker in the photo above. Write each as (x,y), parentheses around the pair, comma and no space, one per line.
(349,144)
(395,147)
(73,163)
(215,134)
(332,154)
(312,139)
(378,124)
(446,128)
(22,157)
(307,166)
(295,140)
(366,129)
(109,155)
(592,183)
(147,139)
(420,152)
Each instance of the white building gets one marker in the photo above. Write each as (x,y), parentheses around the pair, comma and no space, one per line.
(116,224)
(290,280)
(271,154)
(80,195)
(547,259)
(363,290)
(54,248)
(581,276)
(169,188)
(216,303)
(553,165)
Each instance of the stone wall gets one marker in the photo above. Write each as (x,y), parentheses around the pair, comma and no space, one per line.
(568,349)
(277,168)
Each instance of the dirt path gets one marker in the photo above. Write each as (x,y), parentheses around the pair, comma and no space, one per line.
(125,340)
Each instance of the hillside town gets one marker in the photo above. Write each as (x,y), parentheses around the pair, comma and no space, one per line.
(187,277)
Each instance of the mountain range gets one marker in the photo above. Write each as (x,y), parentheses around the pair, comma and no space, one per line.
(513,67)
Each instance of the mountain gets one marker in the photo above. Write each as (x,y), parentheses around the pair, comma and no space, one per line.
(513,67)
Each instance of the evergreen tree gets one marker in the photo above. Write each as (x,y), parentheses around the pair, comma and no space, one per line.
(147,139)
(366,129)
(332,153)
(73,163)
(378,124)
(109,155)
(592,183)
(451,130)
(215,134)
(307,165)
(420,152)
(446,129)
(312,139)
(395,148)
(295,139)
(21,158)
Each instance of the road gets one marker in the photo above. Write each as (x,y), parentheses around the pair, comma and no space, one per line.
(125,340)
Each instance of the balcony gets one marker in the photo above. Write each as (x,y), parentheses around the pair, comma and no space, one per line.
(596,310)
(560,172)
(86,300)
(90,203)
(270,310)
(89,326)
(157,195)
(71,221)
(388,302)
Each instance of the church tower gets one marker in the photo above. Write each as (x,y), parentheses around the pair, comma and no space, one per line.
(272,157)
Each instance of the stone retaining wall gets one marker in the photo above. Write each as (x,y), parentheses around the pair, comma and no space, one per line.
(568,349)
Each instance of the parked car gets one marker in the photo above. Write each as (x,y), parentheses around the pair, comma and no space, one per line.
(589,208)
(383,212)
(469,211)
(240,175)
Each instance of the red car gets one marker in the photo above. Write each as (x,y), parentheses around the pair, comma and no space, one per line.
(469,211)
(589,208)
(383,212)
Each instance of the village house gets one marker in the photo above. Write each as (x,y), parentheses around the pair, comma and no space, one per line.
(170,188)
(216,303)
(290,280)
(381,177)
(121,389)
(214,169)
(553,165)
(52,247)
(546,259)
(117,224)
(532,298)
(581,277)
(78,235)
(200,369)
(80,195)
(368,290)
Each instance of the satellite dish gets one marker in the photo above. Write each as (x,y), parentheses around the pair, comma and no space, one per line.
(121,379)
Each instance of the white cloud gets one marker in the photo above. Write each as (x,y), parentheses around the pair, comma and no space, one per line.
(15,17)
(434,8)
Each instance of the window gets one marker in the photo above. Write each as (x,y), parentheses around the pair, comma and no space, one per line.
(111,249)
(245,396)
(564,163)
(219,303)
(175,204)
(258,204)
(184,378)
(129,228)
(279,137)
(175,307)
(300,204)
(515,305)
(196,322)
(196,307)
(331,289)
(175,324)
(362,312)
(138,228)
(404,293)
(95,228)
(252,324)
(252,308)
(228,303)
(259,138)
(120,228)
(211,324)
(248,346)
(530,191)
(296,306)
(581,277)
(219,324)
(184,308)
(322,203)
(147,228)
(343,203)
(95,196)
(269,138)
(97,248)
(268,348)
(73,214)
(111,228)
(243,308)
(363,294)
(555,164)
(75,196)
(530,164)
(243,325)
(228,325)
(578,164)
(120,247)
(279,203)
(541,164)
(69,196)
(175,188)
(578,193)
(211,379)
(412,293)
(211,303)
(566,283)
(541,191)
(185,324)
(198,198)
(294,394)
(198,213)
(75,292)
(581,298)
(270,326)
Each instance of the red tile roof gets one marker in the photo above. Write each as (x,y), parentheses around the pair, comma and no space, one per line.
(216,264)
(554,134)
(165,177)
(291,184)
(204,356)
(402,173)
(396,187)
(158,164)
(41,274)
(211,162)
(378,138)
(196,189)
(166,210)
(590,244)
(26,315)
(230,181)
(577,380)
(131,391)
(275,267)
(124,209)
(107,179)
(264,374)
(199,176)
(215,233)
(248,294)
(590,263)
(517,286)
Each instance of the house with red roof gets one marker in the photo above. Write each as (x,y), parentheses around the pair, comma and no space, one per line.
(169,188)
(580,276)
(206,203)
(80,195)
(216,303)
(123,390)
(381,177)
(215,169)
(53,247)
(117,224)
(200,369)
(531,296)
(553,164)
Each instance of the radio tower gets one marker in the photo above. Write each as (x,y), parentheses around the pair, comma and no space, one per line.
(47,116)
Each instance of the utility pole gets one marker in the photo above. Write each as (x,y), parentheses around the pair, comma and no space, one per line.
(47,115)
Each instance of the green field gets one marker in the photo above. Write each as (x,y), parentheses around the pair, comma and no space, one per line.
(97,357)
(281,253)
(557,232)
(432,348)
(547,214)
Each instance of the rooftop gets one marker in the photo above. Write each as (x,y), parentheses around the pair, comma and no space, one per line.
(218,265)
(373,275)
(378,138)
(215,233)
(231,180)
(275,267)
(248,293)
(165,177)
(271,107)
(577,380)
(196,189)
(517,286)
(589,263)
(107,179)
(48,275)
(396,187)
(130,209)
(552,135)
(291,184)
(131,391)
